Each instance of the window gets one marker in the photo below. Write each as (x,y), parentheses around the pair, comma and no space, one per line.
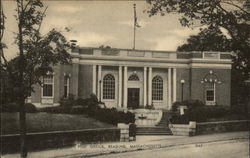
(47,89)
(210,93)
(133,77)
(157,88)
(109,87)
(66,86)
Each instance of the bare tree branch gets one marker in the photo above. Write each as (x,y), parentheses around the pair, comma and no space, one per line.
(232,4)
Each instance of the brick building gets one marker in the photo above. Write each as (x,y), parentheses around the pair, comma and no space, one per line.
(126,78)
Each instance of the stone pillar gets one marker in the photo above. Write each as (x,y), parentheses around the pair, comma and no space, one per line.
(125,92)
(174,84)
(150,86)
(169,89)
(99,83)
(94,80)
(145,87)
(124,132)
(120,87)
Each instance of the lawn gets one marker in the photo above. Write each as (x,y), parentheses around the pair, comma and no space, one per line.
(45,122)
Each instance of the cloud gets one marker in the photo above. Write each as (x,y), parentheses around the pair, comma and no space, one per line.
(171,39)
(182,32)
(90,38)
(130,23)
(67,9)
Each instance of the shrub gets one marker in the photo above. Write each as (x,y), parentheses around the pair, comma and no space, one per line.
(179,119)
(200,114)
(14,107)
(193,103)
(88,102)
(30,108)
(69,101)
(57,109)
(197,114)
(175,106)
(239,110)
(113,116)
(89,106)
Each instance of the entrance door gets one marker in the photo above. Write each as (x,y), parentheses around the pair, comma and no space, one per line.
(133,97)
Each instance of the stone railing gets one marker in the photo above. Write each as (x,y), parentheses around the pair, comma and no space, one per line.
(183,129)
(147,117)
(45,140)
(194,128)
(222,126)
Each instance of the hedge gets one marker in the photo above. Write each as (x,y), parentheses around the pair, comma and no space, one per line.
(198,112)
(14,107)
(90,107)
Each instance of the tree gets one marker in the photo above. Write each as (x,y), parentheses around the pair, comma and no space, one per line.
(233,16)
(2,20)
(208,39)
(37,55)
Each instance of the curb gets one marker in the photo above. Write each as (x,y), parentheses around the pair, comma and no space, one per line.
(147,147)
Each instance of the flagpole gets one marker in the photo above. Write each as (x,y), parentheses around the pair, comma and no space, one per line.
(134,25)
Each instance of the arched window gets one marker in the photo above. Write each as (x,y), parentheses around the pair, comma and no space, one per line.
(133,77)
(157,88)
(109,87)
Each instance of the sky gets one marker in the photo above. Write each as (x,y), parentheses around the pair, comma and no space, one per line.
(96,23)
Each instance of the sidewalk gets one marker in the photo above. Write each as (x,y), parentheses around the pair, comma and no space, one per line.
(142,143)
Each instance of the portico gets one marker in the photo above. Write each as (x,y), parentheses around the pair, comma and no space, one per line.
(134,85)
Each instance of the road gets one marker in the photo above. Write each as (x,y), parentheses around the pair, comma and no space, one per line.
(228,149)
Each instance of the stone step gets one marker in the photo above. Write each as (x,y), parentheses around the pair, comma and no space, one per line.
(153,131)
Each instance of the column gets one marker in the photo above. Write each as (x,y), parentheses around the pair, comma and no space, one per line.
(174,84)
(99,83)
(169,89)
(120,87)
(125,92)
(145,87)
(150,86)
(94,80)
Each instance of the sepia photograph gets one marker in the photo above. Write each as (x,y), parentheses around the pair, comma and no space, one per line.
(125,78)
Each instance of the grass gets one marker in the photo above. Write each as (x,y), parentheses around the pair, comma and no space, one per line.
(46,122)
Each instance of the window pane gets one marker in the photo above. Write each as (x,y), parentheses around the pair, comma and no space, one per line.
(133,77)
(48,86)
(210,95)
(157,88)
(47,90)
(109,87)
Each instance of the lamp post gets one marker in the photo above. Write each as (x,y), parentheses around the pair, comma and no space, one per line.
(182,85)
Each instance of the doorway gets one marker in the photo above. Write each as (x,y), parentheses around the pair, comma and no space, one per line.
(133,97)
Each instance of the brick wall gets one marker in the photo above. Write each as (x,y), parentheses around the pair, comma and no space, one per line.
(183,73)
(223,90)
(85,81)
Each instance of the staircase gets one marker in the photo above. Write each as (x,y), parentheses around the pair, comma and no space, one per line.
(160,129)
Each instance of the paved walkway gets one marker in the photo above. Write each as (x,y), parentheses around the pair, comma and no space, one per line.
(142,143)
